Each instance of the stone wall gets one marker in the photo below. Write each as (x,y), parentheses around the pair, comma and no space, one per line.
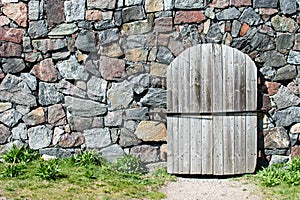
(84,74)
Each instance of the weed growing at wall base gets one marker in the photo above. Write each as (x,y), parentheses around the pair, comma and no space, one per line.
(84,176)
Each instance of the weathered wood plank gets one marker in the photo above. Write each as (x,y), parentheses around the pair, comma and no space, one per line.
(195,102)
(217,106)
(228,121)
(251,121)
(206,95)
(170,121)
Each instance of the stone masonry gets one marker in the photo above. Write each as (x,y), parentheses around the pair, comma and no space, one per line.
(84,74)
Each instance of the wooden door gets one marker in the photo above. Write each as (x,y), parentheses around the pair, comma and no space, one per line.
(212,119)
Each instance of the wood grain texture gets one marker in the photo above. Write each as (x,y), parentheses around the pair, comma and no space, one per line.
(212,78)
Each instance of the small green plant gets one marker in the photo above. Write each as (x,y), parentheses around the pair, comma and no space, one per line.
(130,164)
(12,170)
(49,170)
(85,159)
(18,155)
(281,174)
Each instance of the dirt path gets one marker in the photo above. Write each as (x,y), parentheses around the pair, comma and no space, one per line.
(211,189)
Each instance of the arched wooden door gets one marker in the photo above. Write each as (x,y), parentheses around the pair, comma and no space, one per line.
(212,119)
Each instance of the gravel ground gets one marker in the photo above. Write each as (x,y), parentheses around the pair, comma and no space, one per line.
(211,189)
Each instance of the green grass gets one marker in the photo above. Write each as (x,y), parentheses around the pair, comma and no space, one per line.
(280,182)
(81,177)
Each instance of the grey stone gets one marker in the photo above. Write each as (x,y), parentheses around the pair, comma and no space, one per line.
(294,139)
(112,153)
(63,29)
(261,42)
(19,132)
(120,95)
(38,29)
(273,59)
(229,14)
(285,98)
(114,119)
(30,80)
(250,17)
(4,106)
(23,109)
(133,13)
(276,159)
(287,116)
(98,122)
(86,41)
(164,55)
(85,25)
(140,83)
(84,108)
(10,117)
(294,57)
(92,67)
(27,44)
(45,45)
(214,34)
(285,42)
(74,10)
(71,69)
(48,94)
(147,153)
(22,98)
(235,28)
(57,133)
(68,88)
(151,167)
(101,4)
(275,151)
(265,3)
(33,10)
(287,72)
(97,138)
(78,123)
(108,36)
(133,2)
(137,113)
(39,137)
(114,134)
(155,97)
(128,139)
(4,134)
(13,65)
(288,6)
(10,82)
(96,89)
(57,152)
(168,4)
(189,4)
(134,41)
(103,25)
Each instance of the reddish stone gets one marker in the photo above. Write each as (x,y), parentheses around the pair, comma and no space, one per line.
(56,115)
(163,24)
(9,49)
(93,15)
(46,71)
(244,29)
(239,3)
(71,140)
(266,102)
(272,87)
(228,27)
(4,134)
(189,17)
(111,68)
(35,117)
(219,3)
(4,21)
(163,39)
(55,12)
(297,42)
(295,152)
(16,12)
(2,75)
(11,35)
